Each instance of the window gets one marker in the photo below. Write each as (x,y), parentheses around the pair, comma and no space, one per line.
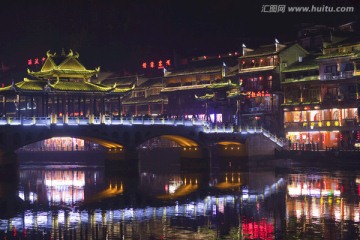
(331,69)
(269,82)
(314,94)
(349,67)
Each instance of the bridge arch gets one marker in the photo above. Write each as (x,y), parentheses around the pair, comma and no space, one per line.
(120,136)
(100,141)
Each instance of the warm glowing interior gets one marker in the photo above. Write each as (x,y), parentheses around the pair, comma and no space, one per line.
(229,143)
(182,141)
(104,143)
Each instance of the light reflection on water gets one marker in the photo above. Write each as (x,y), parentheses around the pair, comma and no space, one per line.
(83,202)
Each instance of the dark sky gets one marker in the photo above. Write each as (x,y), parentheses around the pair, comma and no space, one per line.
(120,34)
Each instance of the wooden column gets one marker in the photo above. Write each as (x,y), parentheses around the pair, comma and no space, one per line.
(119,106)
(57,106)
(25,106)
(68,110)
(18,100)
(102,105)
(94,106)
(32,106)
(4,106)
(79,106)
(47,105)
(162,106)
(43,105)
(84,106)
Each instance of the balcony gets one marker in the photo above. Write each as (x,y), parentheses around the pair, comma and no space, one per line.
(338,75)
(324,125)
(302,79)
(257,69)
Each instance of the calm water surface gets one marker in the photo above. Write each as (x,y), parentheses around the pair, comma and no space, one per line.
(78,201)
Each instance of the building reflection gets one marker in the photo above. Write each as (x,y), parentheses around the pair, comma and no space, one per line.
(327,204)
(57,207)
(65,186)
(59,185)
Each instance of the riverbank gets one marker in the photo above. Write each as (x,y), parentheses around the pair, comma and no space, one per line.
(321,158)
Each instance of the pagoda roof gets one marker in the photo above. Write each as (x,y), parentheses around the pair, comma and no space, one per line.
(144,100)
(28,85)
(119,80)
(206,97)
(79,86)
(222,84)
(236,94)
(67,66)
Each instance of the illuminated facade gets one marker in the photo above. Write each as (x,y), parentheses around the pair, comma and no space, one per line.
(200,89)
(145,99)
(321,97)
(260,76)
(62,88)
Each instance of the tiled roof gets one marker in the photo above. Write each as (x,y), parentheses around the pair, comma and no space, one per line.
(155,82)
(306,64)
(264,51)
(348,40)
(206,97)
(65,65)
(79,86)
(336,55)
(31,85)
(144,100)
(303,79)
(111,79)
(193,70)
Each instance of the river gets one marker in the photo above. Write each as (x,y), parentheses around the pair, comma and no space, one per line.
(272,199)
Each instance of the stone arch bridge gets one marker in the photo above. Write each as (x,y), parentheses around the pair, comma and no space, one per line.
(127,134)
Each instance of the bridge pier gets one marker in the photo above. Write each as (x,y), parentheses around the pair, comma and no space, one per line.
(8,160)
(10,202)
(195,159)
(124,162)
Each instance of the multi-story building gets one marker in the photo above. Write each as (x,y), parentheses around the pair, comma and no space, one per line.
(322,97)
(200,89)
(260,76)
(145,99)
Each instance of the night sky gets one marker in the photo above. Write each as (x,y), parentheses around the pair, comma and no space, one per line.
(119,35)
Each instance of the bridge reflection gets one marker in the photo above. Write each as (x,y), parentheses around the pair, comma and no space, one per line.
(81,202)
